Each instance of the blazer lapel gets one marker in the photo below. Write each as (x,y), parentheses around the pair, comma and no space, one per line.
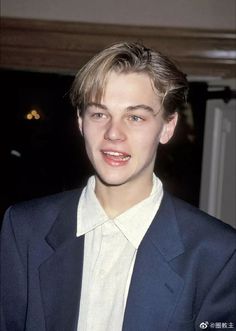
(61,274)
(155,287)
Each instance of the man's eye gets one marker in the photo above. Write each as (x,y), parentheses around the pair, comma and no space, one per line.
(135,118)
(98,115)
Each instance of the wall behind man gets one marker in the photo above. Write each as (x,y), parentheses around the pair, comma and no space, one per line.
(208,14)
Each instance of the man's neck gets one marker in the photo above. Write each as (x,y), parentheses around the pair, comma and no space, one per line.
(117,199)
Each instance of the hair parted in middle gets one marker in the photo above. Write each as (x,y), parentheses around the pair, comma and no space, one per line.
(127,57)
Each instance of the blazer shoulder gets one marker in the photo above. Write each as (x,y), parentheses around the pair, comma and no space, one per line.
(197,227)
(41,204)
(38,215)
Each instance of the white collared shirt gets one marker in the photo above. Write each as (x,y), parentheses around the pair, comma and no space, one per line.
(109,255)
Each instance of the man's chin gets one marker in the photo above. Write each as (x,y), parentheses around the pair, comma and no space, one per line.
(111,181)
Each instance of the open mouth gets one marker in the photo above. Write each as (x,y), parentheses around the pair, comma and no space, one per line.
(116,156)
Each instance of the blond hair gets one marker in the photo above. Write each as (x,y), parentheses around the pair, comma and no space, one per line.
(90,82)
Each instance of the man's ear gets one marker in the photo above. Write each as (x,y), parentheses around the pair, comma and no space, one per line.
(80,122)
(168,128)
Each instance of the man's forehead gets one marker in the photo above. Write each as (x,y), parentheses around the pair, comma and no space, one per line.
(99,86)
(130,91)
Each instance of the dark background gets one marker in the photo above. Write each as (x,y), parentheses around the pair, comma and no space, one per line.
(45,156)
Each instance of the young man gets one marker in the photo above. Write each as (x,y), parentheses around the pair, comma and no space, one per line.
(121,254)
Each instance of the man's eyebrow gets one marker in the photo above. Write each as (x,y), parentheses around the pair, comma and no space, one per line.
(97,105)
(129,108)
(141,106)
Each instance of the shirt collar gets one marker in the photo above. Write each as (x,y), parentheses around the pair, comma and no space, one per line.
(90,213)
(133,223)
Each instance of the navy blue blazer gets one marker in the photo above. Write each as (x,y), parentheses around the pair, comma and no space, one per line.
(184,272)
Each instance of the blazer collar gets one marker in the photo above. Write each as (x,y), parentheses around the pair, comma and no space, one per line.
(155,287)
(61,273)
(64,227)
(164,231)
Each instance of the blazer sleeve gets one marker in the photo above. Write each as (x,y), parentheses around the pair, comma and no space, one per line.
(13,278)
(219,305)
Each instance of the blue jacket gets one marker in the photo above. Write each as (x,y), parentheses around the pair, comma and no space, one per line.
(184,272)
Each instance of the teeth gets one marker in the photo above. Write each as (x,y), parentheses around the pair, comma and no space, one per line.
(117,154)
(113,153)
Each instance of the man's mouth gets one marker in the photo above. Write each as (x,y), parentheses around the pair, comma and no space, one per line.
(116,156)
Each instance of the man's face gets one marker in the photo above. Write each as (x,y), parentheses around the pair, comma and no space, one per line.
(122,132)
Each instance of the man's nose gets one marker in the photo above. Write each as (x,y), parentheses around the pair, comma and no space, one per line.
(114,131)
